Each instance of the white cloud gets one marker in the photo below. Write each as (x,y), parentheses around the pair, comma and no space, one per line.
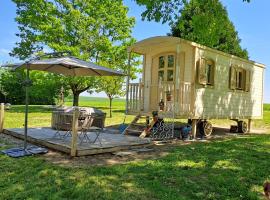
(4,52)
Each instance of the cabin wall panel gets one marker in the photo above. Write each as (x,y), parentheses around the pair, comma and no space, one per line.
(188,62)
(217,101)
(221,102)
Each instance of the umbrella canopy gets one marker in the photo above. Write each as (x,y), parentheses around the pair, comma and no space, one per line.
(69,66)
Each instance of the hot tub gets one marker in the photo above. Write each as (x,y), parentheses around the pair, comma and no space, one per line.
(62,117)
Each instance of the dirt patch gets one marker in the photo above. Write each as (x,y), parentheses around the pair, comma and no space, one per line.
(159,149)
(156,151)
(7,140)
(106,159)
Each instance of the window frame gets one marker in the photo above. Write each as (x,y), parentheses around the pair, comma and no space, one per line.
(203,77)
(166,67)
(240,80)
(234,82)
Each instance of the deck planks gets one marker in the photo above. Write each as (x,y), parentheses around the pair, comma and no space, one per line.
(111,142)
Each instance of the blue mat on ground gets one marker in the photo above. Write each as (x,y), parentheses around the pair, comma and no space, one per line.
(21,152)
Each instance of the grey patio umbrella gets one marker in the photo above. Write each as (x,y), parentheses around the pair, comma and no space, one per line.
(68,66)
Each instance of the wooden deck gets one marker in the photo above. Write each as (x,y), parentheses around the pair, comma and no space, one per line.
(110,142)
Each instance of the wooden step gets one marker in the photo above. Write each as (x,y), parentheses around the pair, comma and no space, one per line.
(139,125)
(133,122)
(133,127)
(133,132)
(146,131)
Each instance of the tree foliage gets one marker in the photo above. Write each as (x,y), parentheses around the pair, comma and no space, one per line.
(89,29)
(163,10)
(114,86)
(45,89)
(207,23)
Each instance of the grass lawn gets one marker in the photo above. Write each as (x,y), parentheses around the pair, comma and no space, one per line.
(232,168)
(41,115)
(223,169)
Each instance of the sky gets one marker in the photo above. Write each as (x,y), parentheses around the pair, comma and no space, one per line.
(251,20)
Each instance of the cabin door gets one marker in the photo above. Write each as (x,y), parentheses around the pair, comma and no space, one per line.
(162,79)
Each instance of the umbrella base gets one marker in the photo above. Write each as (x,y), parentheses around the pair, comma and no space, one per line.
(21,152)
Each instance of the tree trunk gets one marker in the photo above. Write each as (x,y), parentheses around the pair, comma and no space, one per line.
(76,99)
(110,106)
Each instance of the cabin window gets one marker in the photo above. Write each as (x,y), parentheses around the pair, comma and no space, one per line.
(166,65)
(170,75)
(206,72)
(170,61)
(170,67)
(161,75)
(161,62)
(239,79)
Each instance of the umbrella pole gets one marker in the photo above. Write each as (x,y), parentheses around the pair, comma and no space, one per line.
(26,107)
(127,83)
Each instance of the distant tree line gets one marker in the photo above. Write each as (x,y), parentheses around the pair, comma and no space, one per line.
(45,87)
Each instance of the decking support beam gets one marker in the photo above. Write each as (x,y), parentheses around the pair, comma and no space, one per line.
(74,139)
(194,128)
(2,113)
(249,125)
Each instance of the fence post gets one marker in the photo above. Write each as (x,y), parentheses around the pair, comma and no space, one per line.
(73,151)
(2,113)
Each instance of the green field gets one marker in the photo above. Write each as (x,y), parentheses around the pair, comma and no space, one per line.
(266,114)
(41,115)
(231,168)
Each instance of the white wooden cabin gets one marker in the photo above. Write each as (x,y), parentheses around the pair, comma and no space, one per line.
(203,83)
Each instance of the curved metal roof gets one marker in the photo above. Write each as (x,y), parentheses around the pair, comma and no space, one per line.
(147,45)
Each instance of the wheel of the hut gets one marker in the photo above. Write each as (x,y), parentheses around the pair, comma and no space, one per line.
(208,128)
(242,127)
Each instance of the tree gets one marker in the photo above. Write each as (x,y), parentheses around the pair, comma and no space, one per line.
(207,23)
(163,10)
(2,92)
(117,59)
(86,28)
(78,85)
(113,87)
(45,89)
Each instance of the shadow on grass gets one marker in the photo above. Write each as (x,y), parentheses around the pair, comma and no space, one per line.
(32,109)
(118,111)
(225,169)
(48,109)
